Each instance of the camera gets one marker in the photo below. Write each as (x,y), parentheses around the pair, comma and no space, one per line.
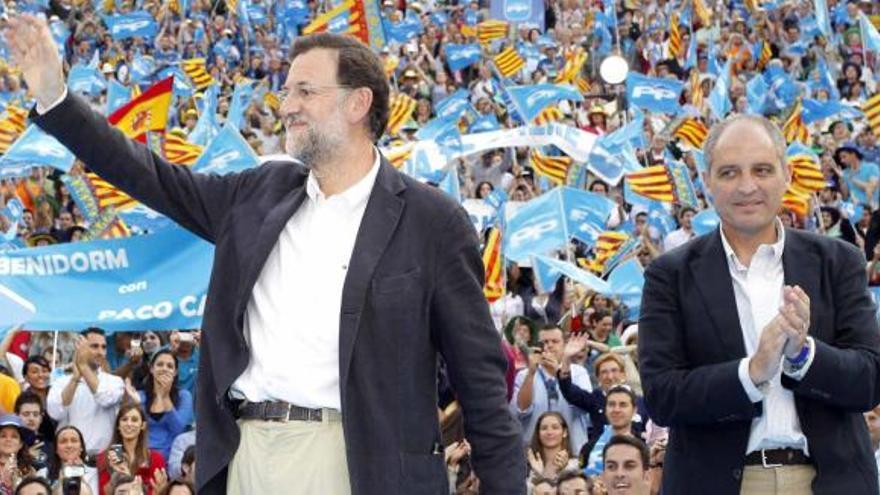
(117,449)
(72,479)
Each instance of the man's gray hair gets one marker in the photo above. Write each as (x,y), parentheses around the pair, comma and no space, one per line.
(718,129)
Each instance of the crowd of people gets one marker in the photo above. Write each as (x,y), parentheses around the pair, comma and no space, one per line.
(115,411)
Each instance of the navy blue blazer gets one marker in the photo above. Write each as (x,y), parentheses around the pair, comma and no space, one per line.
(691,343)
(413,290)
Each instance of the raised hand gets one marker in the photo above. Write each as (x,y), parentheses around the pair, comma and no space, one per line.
(796,316)
(33,51)
(576,344)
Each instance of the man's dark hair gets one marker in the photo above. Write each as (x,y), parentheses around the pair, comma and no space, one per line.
(28,397)
(33,480)
(570,474)
(634,442)
(357,67)
(622,389)
(93,330)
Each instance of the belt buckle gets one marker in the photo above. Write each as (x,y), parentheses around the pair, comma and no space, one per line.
(764,461)
(276,411)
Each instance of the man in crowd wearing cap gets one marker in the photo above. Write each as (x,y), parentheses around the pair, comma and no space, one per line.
(747,334)
(861,178)
(339,282)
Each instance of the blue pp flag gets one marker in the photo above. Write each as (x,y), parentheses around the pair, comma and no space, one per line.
(485,123)
(135,24)
(586,214)
(206,127)
(143,67)
(35,148)
(117,96)
(705,221)
(595,465)
(576,274)
(537,228)
(461,56)
(228,152)
(719,98)
(241,98)
(626,281)
(453,105)
(532,99)
(756,95)
(546,274)
(814,110)
(822,19)
(450,184)
(85,79)
(869,33)
(654,93)
(163,279)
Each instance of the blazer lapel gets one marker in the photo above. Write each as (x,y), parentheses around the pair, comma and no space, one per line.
(711,274)
(380,220)
(266,239)
(802,267)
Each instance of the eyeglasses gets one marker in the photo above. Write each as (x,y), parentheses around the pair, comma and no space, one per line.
(305,92)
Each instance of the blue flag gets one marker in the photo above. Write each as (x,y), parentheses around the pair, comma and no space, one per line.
(485,123)
(35,148)
(869,33)
(814,110)
(691,59)
(453,105)
(824,23)
(60,34)
(719,98)
(117,96)
(537,228)
(654,93)
(143,68)
(206,127)
(576,274)
(705,221)
(142,220)
(450,184)
(135,24)
(87,80)
(461,56)
(228,152)
(531,100)
(546,274)
(182,87)
(163,279)
(586,214)
(241,98)
(626,282)
(756,94)
(595,465)
(14,310)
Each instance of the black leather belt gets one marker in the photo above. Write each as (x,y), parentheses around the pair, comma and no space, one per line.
(278,411)
(771,458)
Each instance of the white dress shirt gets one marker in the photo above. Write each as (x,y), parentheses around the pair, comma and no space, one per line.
(758,291)
(94,414)
(292,318)
(677,238)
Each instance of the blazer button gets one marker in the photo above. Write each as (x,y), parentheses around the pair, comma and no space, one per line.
(737,474)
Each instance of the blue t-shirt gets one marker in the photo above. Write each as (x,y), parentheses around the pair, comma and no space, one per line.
(866,172)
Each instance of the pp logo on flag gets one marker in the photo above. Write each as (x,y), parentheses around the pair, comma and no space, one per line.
(533,232)
(654,92)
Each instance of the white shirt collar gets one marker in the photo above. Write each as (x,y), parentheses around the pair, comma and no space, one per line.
(354,195)
(776,248)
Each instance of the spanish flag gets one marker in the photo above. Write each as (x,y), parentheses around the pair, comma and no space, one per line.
(195,69)
(554,168)
(147,112)
(492,29)
(693,132)
(509,62)
(401,108)
(653,182)
(871,107)
(794,128)
(675,46)
(806,176)
(177,149)
(493,287)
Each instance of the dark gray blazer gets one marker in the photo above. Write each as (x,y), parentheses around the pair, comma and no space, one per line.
(413,289)
(691,343)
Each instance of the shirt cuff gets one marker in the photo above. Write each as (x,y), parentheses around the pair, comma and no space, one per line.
(42,111)
(802,371)
(754,393)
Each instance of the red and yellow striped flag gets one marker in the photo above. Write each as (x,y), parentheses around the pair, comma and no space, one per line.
(549,114)
(180,151)
(554,168)
(703,13)
(571,71)
(8,135)
(806,175)
(696,89)
(401,108)
(17,116)
(583,85)
(871,107)
(147,112)
(796,203)
(675,46)
(195,69)
(794,128)
(693,132)
(493,286)
(108,195)
(766,54)
(653,182)
(468,31)
(492,29)
(508,62)
(398,155)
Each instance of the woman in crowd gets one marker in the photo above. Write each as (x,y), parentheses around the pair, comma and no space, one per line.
(169,410)
(29,407)
(36,376)
(69,451)
(15,459)
(128,453)
(550,449)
